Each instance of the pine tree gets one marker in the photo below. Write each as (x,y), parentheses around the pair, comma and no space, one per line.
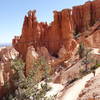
(27,88)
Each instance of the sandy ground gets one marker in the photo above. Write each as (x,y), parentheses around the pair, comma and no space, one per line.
(73,92)
(55,88)
(91,90)
(95,51)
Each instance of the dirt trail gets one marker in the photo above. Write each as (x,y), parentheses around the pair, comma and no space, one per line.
(73,92)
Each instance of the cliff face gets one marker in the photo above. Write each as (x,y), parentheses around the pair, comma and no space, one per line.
(93,40)
(53,36)
(91,37)
(85,15)
(60,32)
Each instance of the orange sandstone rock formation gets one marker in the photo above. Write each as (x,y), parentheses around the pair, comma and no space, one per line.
(6,73)
(91,37)
(60,32)
(53,36)
(85,15)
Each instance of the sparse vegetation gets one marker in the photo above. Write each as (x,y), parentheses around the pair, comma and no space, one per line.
(81,50)
(95,66)
(29,88)
(83,72)
(86,60)
(89,70)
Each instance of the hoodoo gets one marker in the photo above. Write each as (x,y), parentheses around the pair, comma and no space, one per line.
(59,33)
(53,36)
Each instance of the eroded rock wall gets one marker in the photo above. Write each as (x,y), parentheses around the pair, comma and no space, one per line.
(85,15)
(93,40)
(53,36)
(6,55)
(60,32)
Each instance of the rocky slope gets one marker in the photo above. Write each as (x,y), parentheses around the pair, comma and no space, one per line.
(85,15)
(91,90)
(6,55)
(90,37)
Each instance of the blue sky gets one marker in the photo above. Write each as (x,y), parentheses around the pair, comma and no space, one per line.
(12,14)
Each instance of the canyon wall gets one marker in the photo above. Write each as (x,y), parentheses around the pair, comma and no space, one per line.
(93,40)
(85,16)
(91,37)
(53,36)
(60,32)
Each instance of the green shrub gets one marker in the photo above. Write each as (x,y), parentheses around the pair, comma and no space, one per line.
(83,72)
(95,66)
(81,50)
(27,88)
